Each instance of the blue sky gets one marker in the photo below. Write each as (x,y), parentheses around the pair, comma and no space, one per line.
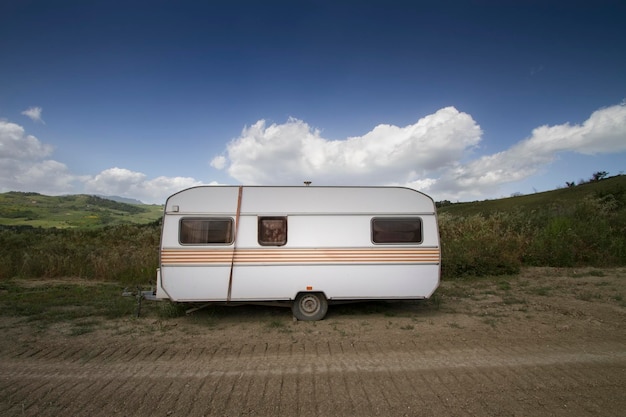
(463,100)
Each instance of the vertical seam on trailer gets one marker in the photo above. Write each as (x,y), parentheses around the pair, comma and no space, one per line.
(232,260)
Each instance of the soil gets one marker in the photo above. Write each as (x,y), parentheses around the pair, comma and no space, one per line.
(548,342)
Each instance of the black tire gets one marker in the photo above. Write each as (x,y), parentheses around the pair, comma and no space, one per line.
(310,306)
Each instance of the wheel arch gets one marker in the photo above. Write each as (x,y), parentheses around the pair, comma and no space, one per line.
(310,305)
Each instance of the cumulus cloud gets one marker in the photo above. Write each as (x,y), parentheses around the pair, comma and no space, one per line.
(16,144)
(293,152)
(24,164)
(436,154)
(219,162)
(34,113)
(432,155)
(127,183)
(603,132)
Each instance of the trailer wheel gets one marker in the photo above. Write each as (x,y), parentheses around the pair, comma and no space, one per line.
(310,306)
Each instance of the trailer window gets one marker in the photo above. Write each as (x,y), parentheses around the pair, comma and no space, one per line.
(272,231)
(206,231)
(397,230)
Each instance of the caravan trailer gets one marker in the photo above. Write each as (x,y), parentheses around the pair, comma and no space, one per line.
(302,246)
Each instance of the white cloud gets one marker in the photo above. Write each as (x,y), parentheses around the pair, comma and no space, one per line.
(34,113)
(436,154)
(293,152)
(48,177)
(433,155)
(219,162)
(23,163)
(126,183)
(114,181)
(603,132)
(24,166)
(15,144)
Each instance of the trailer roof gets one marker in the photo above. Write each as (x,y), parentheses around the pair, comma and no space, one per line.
(302,199)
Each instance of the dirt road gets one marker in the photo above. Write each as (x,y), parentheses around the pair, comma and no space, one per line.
(545,343)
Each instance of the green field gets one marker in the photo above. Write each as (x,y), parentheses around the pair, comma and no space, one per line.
(71,211)
(610,189)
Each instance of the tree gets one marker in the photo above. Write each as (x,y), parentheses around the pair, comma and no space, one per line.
(600,175)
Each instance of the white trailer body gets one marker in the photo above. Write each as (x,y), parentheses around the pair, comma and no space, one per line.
(305,245)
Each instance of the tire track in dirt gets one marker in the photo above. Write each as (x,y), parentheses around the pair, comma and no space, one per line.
(182,362)
(473,356)
(313,379)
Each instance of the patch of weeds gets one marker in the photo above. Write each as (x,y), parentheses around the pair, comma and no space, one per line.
(509,300)
(590,273)
(458,291)
(206,318)
(407,327)
(52,303)
(84,327)
(279,326)
(602,284)
(481,284)
(455,325)
(435,301)
(542,291)
(8,286)
(491,314)
(588,296)
(170,310)
(275,324)
(618,297)
(504,285)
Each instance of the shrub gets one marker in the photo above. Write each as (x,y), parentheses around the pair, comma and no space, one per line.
(127,253)
(591,232)
(477,245)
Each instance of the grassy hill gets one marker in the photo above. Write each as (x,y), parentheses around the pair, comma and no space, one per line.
(613,188)
(579,226)
(71,211)
(582,225)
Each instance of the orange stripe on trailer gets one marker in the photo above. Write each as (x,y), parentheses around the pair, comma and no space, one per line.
(295,256)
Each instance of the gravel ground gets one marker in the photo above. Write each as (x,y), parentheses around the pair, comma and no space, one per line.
(548,342)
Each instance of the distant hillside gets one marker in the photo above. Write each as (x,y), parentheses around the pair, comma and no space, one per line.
(38,210)
(120,199)
(609,188)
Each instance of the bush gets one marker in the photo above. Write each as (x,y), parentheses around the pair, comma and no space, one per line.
(591,232)
(477,245)
(127,253)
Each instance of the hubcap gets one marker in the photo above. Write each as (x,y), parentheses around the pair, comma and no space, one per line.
(309,305)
